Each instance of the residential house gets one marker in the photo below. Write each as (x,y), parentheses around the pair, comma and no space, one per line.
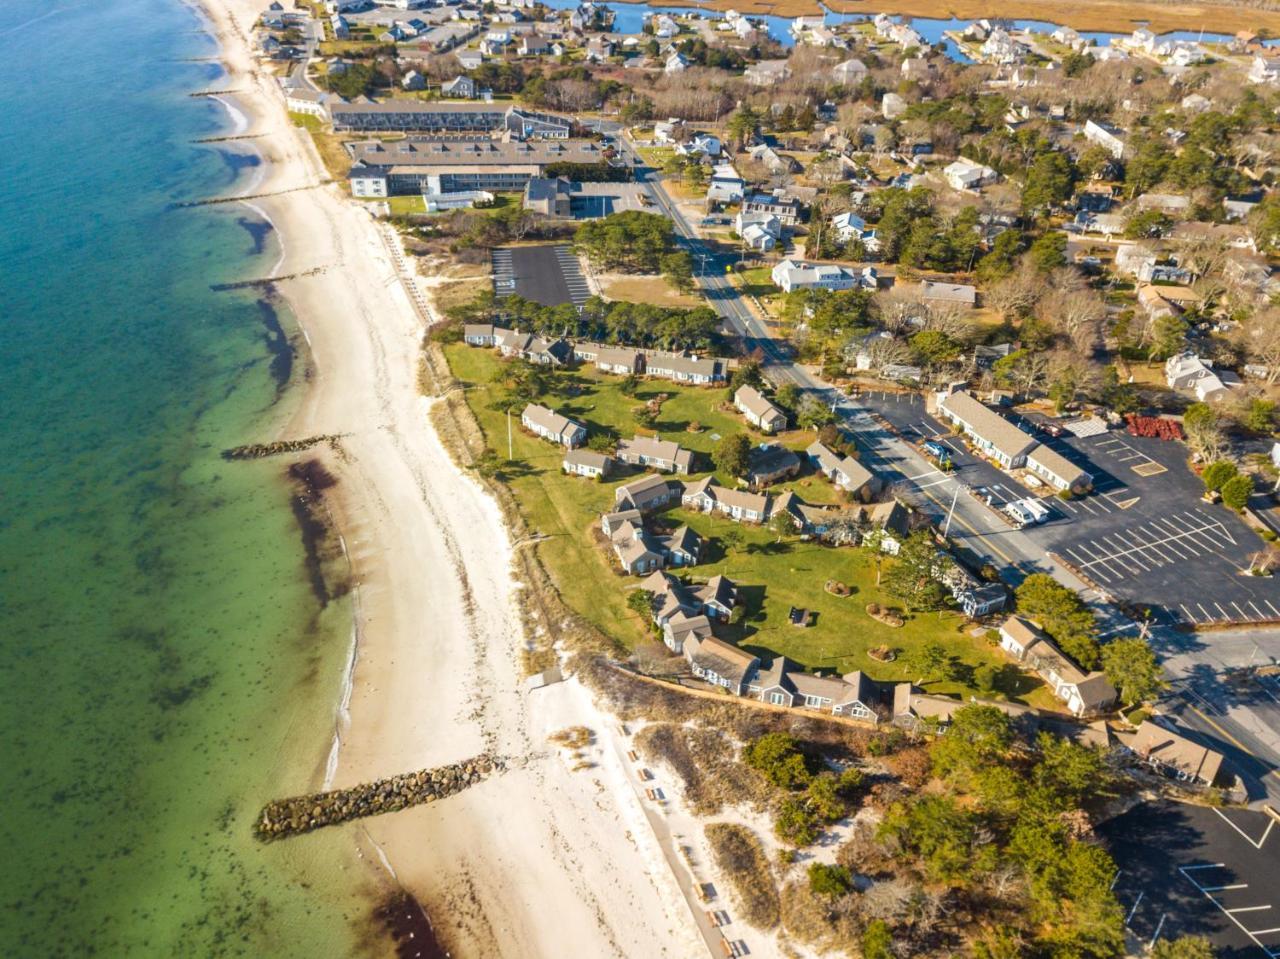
(1085,694)
(676,62)
(669,131)
(611,522)
(991,433)
(759,231)
(1186,371)
(892,106)
(636,551)
(698,370)
(725,185)
(620,359)
(664,28)
(798,275)
(959,294)
(767,73)
(850,72)
(599,49)
(479,334)
(534,45)
(654,453)
(782,683)
(891,522)
(984,600)
(413,80)
(552,426)
(1000,47)
(1264,69)
(1176,755)
(769,464)
(341,28)
(640,552)
(708,496)
(701,145)
(786,208)
(844,471)
(646,494)
(495,43)
(1110,138)
(773,161)
(1058,471)
(461,87)
(966,175)
(587,463)
(848,226)
(307,100)
(759,411)
(528,346)
(551,197)
(720,663)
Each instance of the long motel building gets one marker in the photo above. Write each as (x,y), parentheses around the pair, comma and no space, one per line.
(420,165)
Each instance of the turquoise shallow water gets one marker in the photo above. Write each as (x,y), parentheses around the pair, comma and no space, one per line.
(165,666)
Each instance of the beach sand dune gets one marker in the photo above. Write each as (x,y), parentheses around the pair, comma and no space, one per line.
(539,861)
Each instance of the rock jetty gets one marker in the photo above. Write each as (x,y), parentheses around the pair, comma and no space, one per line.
(255,451)
(290,817)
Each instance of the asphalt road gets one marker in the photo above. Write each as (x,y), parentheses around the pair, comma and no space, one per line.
(1241,731)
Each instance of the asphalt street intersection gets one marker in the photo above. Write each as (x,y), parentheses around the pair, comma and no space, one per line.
(1196,870)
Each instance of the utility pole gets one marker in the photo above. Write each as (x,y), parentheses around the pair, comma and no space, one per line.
(950,512)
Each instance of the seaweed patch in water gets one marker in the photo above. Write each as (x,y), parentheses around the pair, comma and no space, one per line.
(258,231)
(320,545)
(405,919)
(278,345)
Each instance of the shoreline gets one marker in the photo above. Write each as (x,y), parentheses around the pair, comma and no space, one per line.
(1095,16)
(433,672)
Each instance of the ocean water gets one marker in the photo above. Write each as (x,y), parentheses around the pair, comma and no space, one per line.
(165,667)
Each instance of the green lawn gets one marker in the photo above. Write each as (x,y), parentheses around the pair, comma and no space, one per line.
(772,577)
(308,122)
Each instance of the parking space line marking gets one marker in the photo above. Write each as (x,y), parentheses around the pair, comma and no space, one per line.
(1136,902)
(1208,865)
(1224,911)
(1207,617)
(1238,885)
(1159,926)
(1264,932)
(1222,611)
(1248,909)
(1257,612)
(1243,614)
(1273,609)
(1188,612)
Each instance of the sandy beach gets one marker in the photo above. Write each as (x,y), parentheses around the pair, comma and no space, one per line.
(540,861)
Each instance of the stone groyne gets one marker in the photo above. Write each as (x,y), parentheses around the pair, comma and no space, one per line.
(256,451)
(299,814)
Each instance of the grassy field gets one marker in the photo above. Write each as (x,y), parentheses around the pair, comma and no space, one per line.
(646,289)
(773,576)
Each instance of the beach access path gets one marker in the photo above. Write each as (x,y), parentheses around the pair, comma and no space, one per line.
(538,861)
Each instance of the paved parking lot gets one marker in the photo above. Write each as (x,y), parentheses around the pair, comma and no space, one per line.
(594,200)
(549,275)
(1194,870)
(1143,535)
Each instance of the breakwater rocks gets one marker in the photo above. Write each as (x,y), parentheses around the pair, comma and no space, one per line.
(257,451)
(291,817)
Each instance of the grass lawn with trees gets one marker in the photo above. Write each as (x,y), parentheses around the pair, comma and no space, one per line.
(773,576)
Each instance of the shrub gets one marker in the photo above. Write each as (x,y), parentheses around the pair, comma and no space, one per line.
(830,881)
(777,756)
(1138,716)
